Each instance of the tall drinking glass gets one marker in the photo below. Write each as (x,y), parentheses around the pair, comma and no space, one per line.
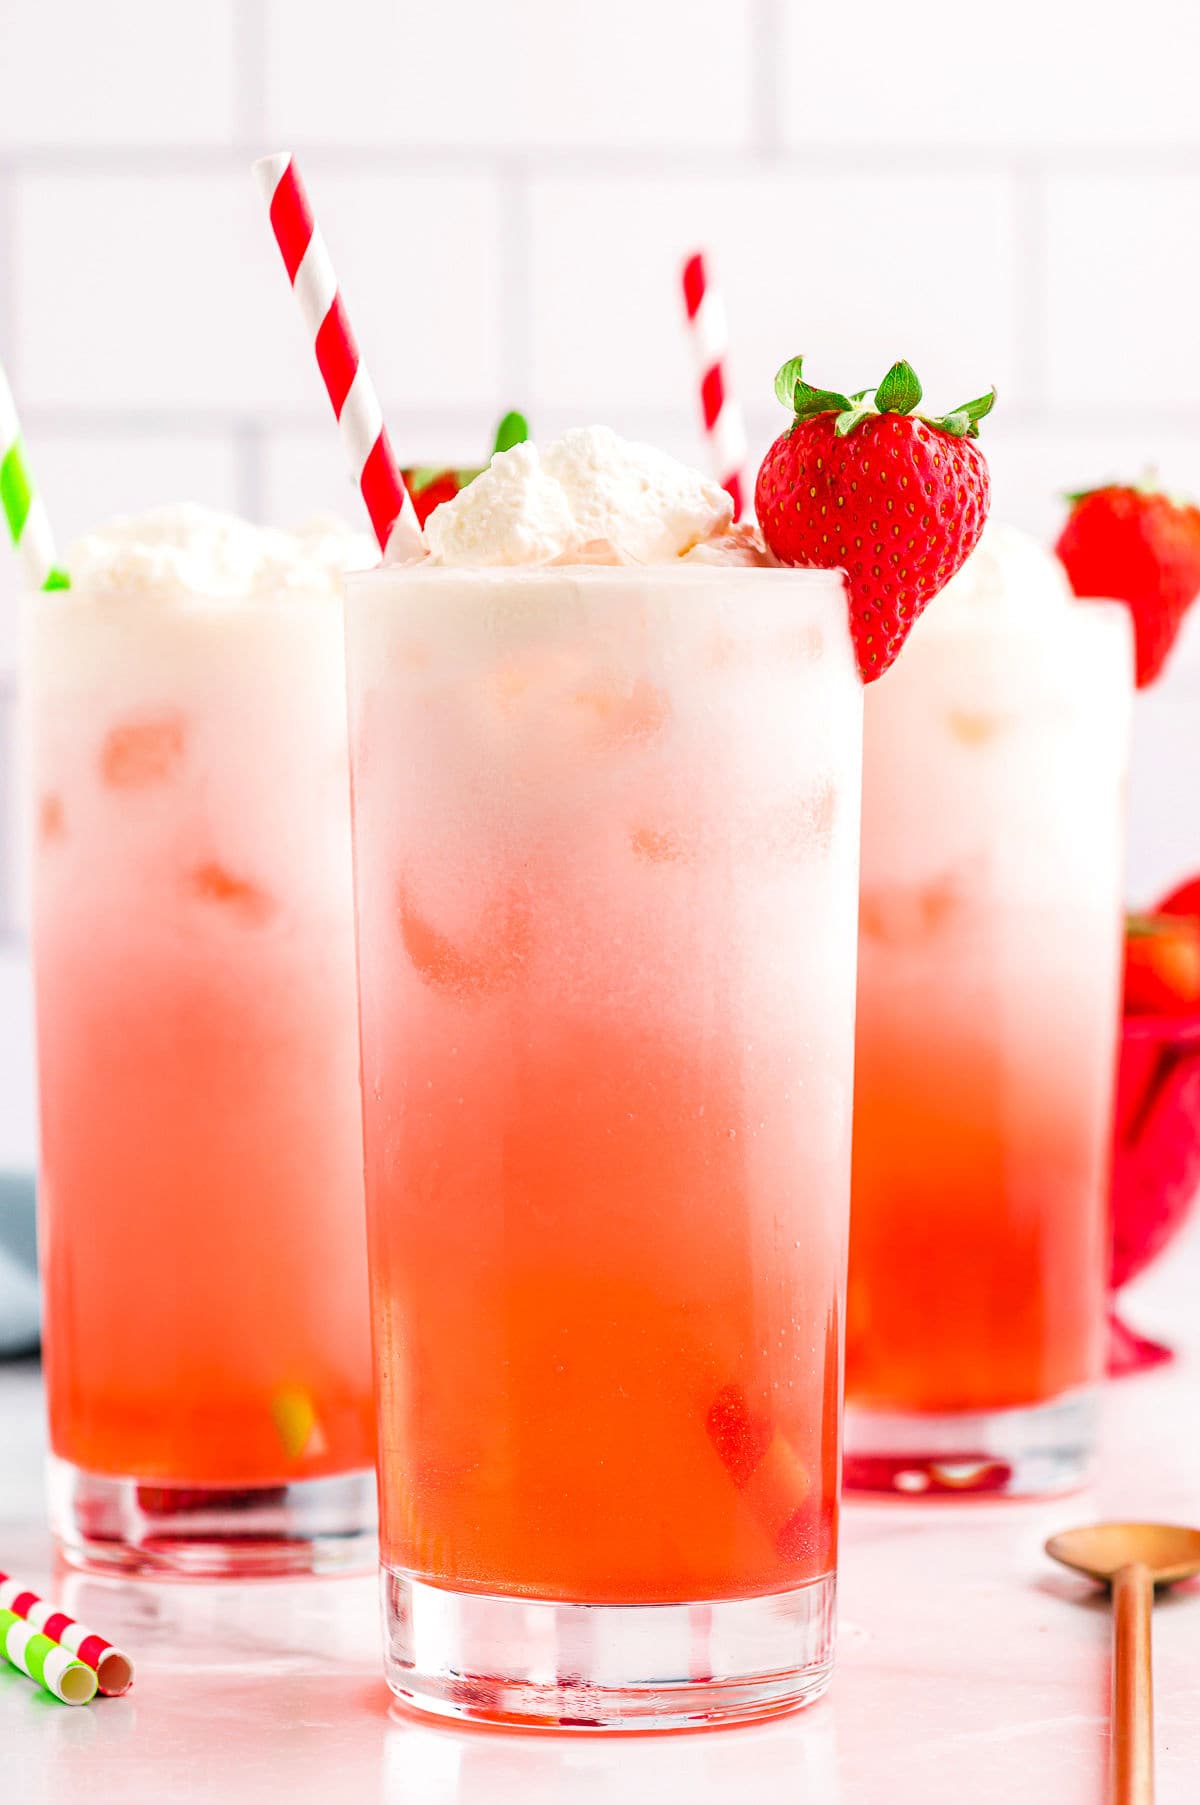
(989,971)
(606,842)
(206,1330)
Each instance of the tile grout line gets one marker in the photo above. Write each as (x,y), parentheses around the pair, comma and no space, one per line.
(98,422)
(766,33)
(250,76)
(8,266)
(515,277)
(1031,276)
(587,163)
(249,472)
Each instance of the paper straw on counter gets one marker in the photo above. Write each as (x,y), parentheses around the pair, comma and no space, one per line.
(23,507)
(347,383)
(113,1670)
(708,331)
(49,1664)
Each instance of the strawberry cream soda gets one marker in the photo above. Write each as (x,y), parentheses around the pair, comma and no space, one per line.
(988,1007)
(989,950)
(206,1327)
(606,775)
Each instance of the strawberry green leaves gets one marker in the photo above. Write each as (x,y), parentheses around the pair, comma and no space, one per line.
(900,392)
(963,422)
(512,430)
(861,405)
(801,397)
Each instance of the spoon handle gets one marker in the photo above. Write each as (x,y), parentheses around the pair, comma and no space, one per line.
(1132,1694)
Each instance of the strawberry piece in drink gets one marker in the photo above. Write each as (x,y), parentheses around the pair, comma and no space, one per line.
(862,483)
(773,1480)
(138,754)
(212,882)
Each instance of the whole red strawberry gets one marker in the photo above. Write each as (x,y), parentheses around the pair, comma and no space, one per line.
(863,484)
(1162,964)
(1142,548)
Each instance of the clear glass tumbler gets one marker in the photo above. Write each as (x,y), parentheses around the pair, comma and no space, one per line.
(606,843)
(207,1339)
(994,770)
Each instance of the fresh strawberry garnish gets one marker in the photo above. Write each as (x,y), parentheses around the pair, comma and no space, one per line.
(430,486)
(863,484)
(1142,548)
(1162,964)
(1185,900)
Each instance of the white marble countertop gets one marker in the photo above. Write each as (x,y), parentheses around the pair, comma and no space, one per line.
(969,1667)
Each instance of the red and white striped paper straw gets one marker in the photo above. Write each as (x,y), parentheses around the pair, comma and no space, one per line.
(350,389)
(708,330)
(113,1670)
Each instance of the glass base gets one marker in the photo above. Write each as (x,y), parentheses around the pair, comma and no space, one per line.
(1032,1452)
(106,1525)
(529,1662)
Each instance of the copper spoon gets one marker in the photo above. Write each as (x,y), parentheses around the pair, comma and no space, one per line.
(1131,1558)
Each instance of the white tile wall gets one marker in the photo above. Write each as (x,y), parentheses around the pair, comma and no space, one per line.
(148,73)
(1121,275)
(618,75)
(832,265)
(1002,193)
(1020,74)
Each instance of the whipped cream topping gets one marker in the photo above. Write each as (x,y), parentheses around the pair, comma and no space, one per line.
(588,490)
(188,552)
(1008,569)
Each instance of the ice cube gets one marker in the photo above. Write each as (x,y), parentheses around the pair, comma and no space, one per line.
(137,754)
(802,645)
(624,713)
(489,964)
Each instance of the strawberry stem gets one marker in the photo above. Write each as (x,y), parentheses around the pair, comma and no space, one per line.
(900,392)
(512,430)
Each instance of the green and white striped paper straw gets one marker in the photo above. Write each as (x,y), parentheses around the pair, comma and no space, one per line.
(23,508)
(51,1665)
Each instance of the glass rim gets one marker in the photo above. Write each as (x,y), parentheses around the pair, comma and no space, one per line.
(677,572)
